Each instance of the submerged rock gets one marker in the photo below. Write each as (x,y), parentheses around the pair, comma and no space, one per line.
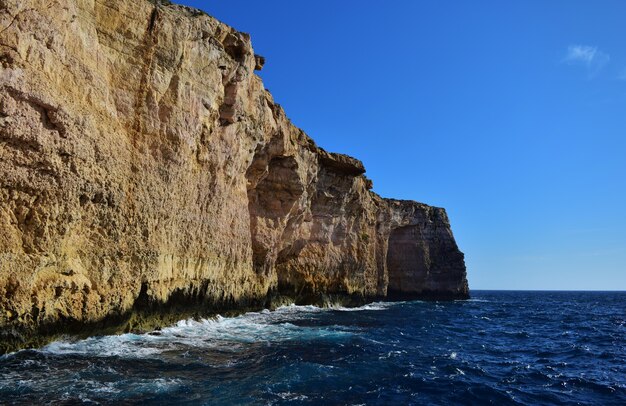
(147,175)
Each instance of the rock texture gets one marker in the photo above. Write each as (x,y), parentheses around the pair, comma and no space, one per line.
(145,171)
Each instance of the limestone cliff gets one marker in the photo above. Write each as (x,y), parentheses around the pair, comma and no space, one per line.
(147,175)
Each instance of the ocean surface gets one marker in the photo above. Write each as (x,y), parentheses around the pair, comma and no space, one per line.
(519,348)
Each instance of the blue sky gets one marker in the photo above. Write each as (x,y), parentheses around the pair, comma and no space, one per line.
(511,115)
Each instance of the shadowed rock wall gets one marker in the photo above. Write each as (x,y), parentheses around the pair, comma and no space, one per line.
(147,175)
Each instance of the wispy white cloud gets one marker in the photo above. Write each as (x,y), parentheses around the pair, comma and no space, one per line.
(588,56)
(581,53)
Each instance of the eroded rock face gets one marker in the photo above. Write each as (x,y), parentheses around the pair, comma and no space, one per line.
(144,169)
(422,256)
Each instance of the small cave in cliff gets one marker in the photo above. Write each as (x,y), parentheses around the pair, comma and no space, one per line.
(407,260)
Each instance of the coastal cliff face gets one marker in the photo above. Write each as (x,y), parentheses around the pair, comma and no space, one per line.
(147,175)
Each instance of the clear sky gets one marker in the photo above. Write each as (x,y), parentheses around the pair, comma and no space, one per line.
(510,114)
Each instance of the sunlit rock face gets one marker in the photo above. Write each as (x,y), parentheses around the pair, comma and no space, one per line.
(145,170)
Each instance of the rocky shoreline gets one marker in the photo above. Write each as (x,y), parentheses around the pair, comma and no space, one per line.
(146,175)
(152,318)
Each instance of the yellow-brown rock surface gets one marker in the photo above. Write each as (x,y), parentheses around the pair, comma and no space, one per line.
(144,168)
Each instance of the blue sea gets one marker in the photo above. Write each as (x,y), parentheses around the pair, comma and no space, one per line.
(517,348)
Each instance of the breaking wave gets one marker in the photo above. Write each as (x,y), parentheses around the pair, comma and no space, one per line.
(227,333)
(501,347)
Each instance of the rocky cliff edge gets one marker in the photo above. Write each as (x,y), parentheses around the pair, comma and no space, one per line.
(147,175)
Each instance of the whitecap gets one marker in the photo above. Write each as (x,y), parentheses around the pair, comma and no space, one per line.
(125,345)
(375,306)
(291,396)
(225,333)
(392,354)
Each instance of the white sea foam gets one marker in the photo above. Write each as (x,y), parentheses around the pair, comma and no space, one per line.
(392,354)
(293,308)
(125,345)
(376,306)
(291,396)
(225,333)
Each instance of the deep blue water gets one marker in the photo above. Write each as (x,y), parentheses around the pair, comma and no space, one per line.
(499,348)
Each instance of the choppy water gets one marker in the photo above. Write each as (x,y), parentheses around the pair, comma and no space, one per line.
(499,348)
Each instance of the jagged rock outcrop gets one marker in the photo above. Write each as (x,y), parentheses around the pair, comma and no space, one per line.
(145,172)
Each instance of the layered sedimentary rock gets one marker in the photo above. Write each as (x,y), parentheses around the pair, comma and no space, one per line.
(145,170)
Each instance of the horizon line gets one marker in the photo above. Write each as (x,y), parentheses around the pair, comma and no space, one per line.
(551,290)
